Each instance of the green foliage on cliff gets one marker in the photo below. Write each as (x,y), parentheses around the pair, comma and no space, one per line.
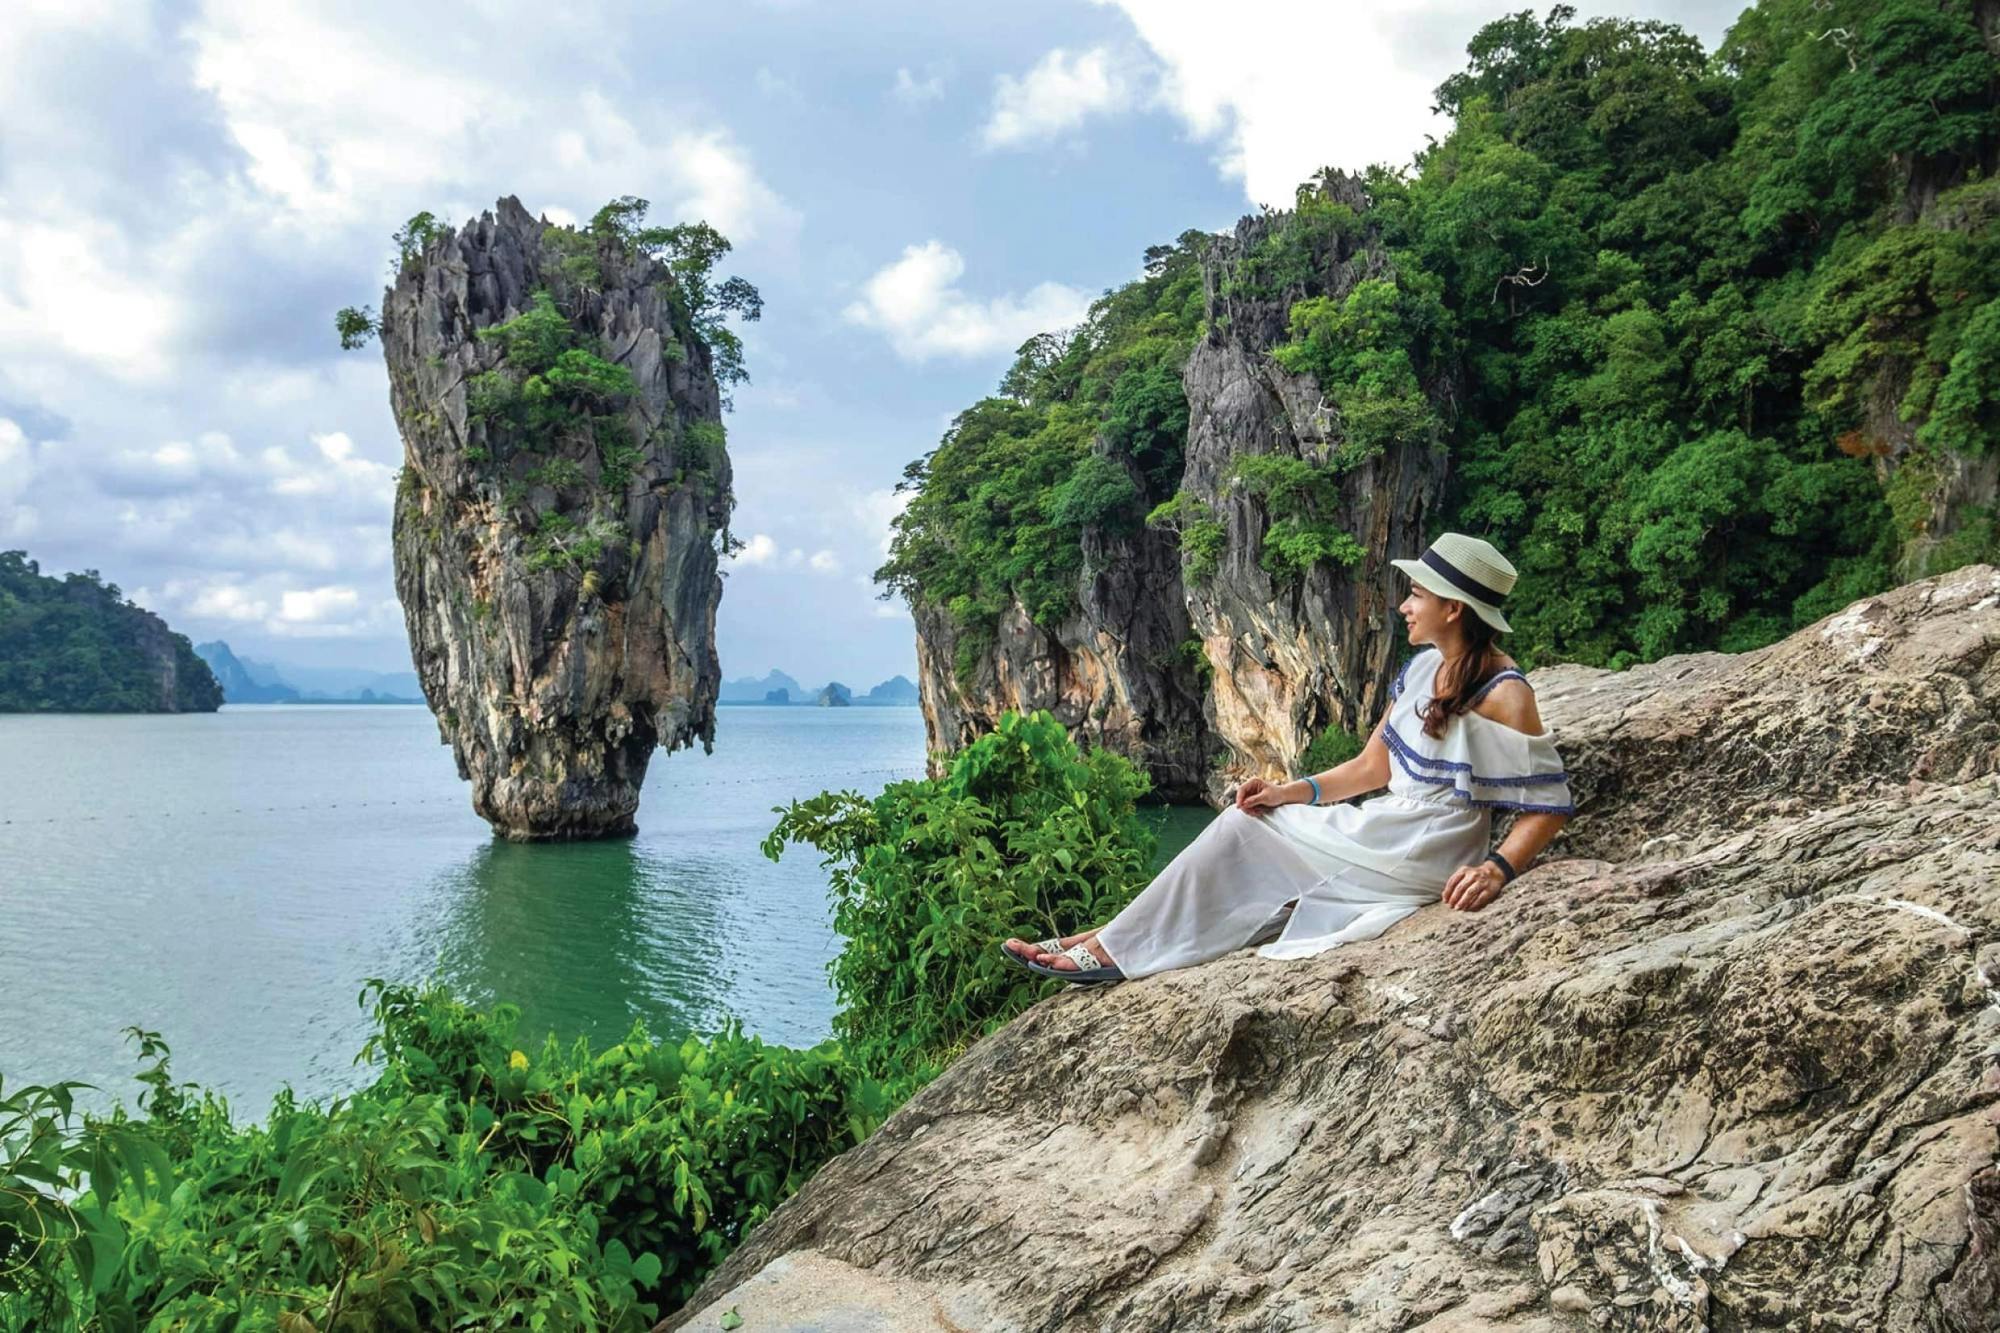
(1025,833)
(1694,297)
(1701,334)
(76,645)
(1086,433)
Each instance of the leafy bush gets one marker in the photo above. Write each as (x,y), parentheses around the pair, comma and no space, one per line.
(471,1185)
(559,542)
(548,383)
(1335,745)
(1024,835)
(416,236)
(1203,537)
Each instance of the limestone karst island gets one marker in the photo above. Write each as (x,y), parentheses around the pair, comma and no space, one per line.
(1109,667)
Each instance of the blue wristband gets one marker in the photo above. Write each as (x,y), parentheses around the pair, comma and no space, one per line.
(1315,787)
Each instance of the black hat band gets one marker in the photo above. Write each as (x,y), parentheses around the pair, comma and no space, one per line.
(1462,581)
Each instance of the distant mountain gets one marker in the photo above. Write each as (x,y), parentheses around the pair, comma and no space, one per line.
(834,695)
(76,645)
(248,681)
(323,682)
(749,691)
(778,688)
(239,684)
(898,691)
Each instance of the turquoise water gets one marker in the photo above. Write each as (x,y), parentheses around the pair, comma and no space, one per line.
(229,879)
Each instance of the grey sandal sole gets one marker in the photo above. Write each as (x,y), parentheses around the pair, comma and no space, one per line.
(1095,976)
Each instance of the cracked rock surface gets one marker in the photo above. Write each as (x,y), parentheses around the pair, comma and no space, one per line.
(1726,1057)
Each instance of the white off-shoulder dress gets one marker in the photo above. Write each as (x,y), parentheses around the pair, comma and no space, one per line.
(1352,870)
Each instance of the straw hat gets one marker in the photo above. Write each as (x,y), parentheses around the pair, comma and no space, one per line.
(1466,569)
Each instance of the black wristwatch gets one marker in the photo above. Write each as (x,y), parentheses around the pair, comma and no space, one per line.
(1505,868)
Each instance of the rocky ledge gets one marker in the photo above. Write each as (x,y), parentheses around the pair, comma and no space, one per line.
(1725,1057)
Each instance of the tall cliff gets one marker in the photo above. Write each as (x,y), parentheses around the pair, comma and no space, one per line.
(1034,580)
(1253,610)
(1114,671)
(1311,480)
(556,526)
(1723,1058)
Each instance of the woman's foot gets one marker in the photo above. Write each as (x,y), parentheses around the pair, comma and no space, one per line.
(1032,952)
(1064,963)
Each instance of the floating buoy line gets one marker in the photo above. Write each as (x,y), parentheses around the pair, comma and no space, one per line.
(459,798)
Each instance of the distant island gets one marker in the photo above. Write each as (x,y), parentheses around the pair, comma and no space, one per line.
(775,687)
(75,645)
(245,680)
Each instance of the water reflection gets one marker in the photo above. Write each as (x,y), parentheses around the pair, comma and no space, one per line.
(585,937)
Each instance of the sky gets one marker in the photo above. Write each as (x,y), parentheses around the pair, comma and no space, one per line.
(188,191)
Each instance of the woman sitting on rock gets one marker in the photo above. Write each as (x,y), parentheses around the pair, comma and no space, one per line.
(1293,860)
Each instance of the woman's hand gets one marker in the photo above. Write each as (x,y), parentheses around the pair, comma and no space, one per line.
(1256,796)
(1472,887)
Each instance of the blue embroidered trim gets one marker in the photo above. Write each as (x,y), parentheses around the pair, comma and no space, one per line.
(1396,689)
(1498,676)
(1401,749)
(1411,755)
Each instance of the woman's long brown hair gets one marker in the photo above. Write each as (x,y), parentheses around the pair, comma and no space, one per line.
(1458,682)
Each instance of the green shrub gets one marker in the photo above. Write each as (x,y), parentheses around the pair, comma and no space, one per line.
(1335,745)
(471,1185)
(1024,835)
(1203,537)
(557,473)
(559,542)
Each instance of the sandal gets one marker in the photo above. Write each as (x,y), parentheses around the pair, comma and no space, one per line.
(1053,944)
(1090,970)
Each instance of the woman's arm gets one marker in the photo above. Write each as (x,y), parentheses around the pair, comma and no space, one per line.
(1530,833)
(1364,773)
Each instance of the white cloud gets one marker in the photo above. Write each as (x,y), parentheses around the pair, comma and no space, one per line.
(314,605)
(1331,93)
(916,303)
(777,86)
(1348,86)
(762,550)
(911,90)
(17,460)
(227,601)
(877,511)
(321,105)
(1059,94)
(79,289)
(759,550)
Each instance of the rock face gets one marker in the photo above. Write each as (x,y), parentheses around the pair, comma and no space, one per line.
(559,585)
(1724,1057)
(1292,657)
(1279,660)
(179,681)
(1113,671)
